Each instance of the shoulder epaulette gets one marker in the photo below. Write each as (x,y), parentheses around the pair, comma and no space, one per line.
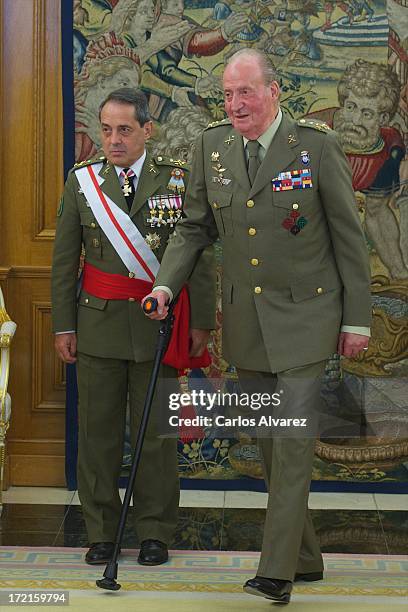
(164,160)
(88,162)
(321,126)
(218,123)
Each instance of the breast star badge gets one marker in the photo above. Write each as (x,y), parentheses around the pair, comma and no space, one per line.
(153,241)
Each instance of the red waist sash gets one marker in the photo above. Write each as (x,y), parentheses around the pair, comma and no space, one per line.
(117,287)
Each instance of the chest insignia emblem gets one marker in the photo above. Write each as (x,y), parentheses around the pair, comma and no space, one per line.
(295,222)
(293,179)
(153,241)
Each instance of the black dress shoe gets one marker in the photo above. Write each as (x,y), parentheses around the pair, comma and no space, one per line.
(100,553)
(153,552)
(309,577)
(271,588)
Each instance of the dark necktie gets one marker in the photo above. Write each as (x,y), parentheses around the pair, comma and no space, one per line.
(128,186)
(253,159)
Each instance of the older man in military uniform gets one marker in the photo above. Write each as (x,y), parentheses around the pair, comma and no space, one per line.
(296,282)
(122,208)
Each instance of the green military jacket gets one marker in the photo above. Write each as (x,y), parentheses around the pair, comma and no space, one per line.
(285,291)
(117,328)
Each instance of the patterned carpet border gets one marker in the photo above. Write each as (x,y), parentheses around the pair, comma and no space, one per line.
(197,571)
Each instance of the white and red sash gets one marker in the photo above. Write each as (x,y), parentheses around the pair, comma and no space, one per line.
(122,233)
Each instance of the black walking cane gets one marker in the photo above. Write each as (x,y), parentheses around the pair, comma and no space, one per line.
(111,571)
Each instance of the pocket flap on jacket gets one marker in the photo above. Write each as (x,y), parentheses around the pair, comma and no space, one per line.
(286,199)
(91,301)
(88,219)
(219,199)
(314,286)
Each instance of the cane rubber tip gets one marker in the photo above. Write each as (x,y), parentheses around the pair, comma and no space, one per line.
(108,583)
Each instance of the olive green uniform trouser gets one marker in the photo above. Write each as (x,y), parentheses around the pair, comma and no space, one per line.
(103,387)
(289,543)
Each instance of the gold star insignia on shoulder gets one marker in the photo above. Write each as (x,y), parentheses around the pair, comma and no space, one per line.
(87,162)
(82,163)
(163,160)
(216,123)
(321,126)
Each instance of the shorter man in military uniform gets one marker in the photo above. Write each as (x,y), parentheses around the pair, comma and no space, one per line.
(295,283)
(121,208)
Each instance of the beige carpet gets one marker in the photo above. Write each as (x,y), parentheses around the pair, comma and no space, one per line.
(203,581)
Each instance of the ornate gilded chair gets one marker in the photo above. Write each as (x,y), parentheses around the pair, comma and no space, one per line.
(7,329)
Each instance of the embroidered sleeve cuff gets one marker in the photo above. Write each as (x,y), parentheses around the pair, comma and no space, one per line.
(354,329)
(69,331)
(166,289)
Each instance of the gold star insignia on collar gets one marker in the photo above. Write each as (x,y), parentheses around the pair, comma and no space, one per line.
(229,140)
(291,139)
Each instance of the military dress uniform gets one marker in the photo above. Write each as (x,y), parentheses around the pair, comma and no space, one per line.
(116,346)
(295,271)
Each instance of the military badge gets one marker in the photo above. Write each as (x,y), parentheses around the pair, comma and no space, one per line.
(162,205)
(293,179)
(291,139)
(151,202)
(229,140)
(215,156)
(160,218)
(176,182)
(220,179)
(153,241)
(173,205)
(305,157)
(126,188)
(60,207)
(295,222)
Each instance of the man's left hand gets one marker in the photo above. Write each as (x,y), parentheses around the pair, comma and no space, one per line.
(199,339)
(351,344)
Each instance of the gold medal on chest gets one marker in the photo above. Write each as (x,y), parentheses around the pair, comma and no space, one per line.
(176,182)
